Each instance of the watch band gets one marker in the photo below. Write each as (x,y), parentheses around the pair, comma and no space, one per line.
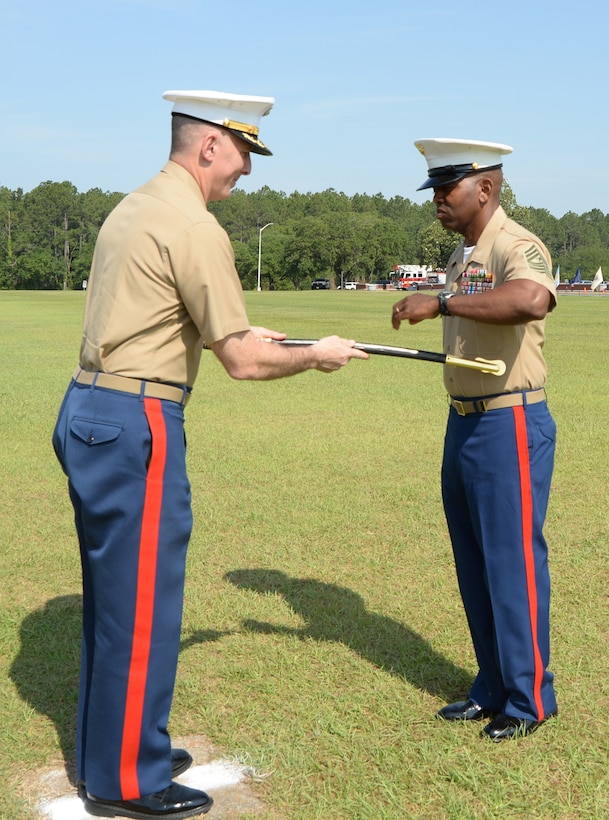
(443,298)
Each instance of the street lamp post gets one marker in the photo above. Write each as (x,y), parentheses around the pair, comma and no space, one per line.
(260,249)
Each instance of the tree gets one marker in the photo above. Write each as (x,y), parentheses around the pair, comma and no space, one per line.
(11,210)
(437,245)
(245,262)
(39,270)
(308,250)
(50,207)
(47,236)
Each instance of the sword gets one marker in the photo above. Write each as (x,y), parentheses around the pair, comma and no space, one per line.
(494,366)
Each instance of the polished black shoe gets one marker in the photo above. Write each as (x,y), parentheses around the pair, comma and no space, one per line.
(504,727)
(180,762)
(463,710)
(174,802)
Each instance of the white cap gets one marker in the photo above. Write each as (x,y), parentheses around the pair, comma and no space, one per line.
(450,160)
(237,112)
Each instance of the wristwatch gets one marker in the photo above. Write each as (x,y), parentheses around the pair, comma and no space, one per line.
(443,298)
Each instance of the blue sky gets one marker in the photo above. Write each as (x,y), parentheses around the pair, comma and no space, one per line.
(355,85)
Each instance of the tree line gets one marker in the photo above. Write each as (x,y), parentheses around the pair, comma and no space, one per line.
(283,241)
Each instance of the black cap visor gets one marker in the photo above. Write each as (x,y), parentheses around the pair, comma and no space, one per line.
(449,174)
(255,145)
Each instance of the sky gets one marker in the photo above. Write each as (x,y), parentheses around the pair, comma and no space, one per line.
(355,84)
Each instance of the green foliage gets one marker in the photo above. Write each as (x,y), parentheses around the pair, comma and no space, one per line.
(437,244)
(47,236)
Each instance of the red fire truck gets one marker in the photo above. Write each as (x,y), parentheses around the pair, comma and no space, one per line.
(407,277)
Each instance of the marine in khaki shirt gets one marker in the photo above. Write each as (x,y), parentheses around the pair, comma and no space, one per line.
(505,252)
(163,280)
(498,453)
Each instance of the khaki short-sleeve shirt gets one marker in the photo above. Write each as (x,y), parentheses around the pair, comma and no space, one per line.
(505,252)
(163,279)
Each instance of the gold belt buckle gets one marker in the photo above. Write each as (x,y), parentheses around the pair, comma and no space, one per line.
(459,407)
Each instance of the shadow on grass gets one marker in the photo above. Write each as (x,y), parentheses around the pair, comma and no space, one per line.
(334,613)
(46,670)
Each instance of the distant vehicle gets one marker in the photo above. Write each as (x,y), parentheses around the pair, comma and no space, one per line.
(320,284)
(405,275)
(350,285)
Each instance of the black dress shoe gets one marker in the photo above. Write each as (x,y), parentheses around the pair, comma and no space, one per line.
(463,710)
(174,802)
(504,727)
(180,762)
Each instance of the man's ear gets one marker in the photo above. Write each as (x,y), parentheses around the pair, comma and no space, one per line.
(209,146)
(485,189)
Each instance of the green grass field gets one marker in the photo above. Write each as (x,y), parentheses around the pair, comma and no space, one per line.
(323,627)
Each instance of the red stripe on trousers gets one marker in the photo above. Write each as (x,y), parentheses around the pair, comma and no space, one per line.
(526,495)
(144,605)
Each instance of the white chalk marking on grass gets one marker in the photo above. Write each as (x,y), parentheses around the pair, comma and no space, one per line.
(64,808)
(215,775)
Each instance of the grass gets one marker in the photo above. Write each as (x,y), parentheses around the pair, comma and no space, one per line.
(323,626)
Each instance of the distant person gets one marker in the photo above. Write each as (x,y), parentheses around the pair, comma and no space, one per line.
(500,438)
(163,283)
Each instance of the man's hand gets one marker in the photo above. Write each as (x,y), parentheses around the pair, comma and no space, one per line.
(414,309)
(335,353)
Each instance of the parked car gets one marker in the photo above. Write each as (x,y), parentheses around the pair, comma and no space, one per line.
(320,284)
(350,285)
